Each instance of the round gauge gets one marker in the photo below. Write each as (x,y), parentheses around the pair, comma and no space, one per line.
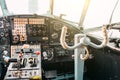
(57,26)
(16,38)
(34,32)
(2,34)
(3,40)
(39,32)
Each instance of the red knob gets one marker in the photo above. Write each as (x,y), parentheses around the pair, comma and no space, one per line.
(37,52)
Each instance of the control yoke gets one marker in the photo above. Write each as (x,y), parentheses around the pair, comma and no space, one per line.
(83,40)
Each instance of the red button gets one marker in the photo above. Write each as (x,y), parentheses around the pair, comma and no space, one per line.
(37,52)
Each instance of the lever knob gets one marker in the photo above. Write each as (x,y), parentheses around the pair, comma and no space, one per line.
(37,52)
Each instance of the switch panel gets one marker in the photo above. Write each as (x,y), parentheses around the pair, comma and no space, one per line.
(28,62)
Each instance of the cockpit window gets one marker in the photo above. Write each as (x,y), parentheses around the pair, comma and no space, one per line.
(28,6)
(98,13)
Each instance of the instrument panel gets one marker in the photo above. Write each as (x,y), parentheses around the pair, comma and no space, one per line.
(38,28)
(17,30)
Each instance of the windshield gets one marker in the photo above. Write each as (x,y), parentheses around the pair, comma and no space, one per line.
(98,13)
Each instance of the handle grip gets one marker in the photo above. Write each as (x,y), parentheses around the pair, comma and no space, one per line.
(62,40)
(105,40)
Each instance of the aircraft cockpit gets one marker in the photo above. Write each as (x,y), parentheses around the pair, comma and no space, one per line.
(39,42)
